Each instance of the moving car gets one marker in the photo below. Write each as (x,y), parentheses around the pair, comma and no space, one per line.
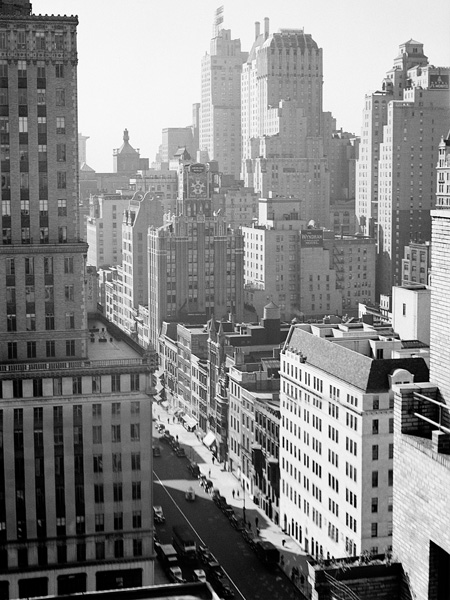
(176,575)
(156,451)
(193,468)
(158,514)
(180,452)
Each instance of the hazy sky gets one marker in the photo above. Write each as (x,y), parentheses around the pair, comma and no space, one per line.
(139,60)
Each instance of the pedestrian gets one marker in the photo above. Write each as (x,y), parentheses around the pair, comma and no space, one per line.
(256,522)
(237,493)
(177,438)
(209,473)
(283,543)
(233,492)
(173,419)
(213,459)
(168,421)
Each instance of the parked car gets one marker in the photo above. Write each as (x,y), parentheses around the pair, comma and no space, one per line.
(158,514)
(180,452)
(193,468)
(223,588)
(176,575)
(199,575)
(237,523)
(219,500)
(156,451)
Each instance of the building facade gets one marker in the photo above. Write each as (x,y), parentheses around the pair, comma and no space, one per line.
(220,109)
(336,436)
(195,259)
(282,121)
(422,431)
(66,505)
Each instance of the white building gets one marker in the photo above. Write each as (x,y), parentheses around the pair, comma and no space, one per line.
(220,109)
(336,436)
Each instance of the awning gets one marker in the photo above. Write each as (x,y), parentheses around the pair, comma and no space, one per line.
(189,421)
(209,439)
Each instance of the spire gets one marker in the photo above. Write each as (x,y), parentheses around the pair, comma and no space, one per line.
(126,137)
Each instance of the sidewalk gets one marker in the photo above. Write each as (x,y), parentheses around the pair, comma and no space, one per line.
(291,553)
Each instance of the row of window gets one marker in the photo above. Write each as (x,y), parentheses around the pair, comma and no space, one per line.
(22,69)
(77,388)
(12,263)
(12,347)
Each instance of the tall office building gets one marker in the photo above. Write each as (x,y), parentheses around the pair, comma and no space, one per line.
(421,539)
(282,120)
(67,510)
(395,176)
(195,260)
(220,109)
(336,397)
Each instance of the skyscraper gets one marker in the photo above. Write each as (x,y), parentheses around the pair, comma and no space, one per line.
(195,259)
(220,109)
(67,510)
(282,120)
(395,176)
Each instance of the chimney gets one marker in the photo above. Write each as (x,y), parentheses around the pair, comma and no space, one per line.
(257,29)
(266,27)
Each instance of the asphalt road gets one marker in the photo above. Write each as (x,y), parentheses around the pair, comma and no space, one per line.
(247,575)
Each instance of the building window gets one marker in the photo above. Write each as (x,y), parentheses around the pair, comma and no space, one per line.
(12,350)
(136,490)
(391,425)
(135,461)
(374,530)
(117,462)
(115,409)
(96,434)
(61,180)
(135,432)
(137,547)
(98,463)
(391,450)
(134,382)
(70,320)
(62,208)
(390,477)
(59,70)
(118,548)
(70,347)
(77,385)
(50,348)
(99,550)
(99,493)
(49,321)
(135,407)
(68,264)
(96,386)
(31,349)
(61,152)
(97,409)
(137,519)
(374,478)
(117,492)
(60,97)
(118,521)
(60,125)
(68,293)
(115,433)
(375,452)
(375,426)
(115,383)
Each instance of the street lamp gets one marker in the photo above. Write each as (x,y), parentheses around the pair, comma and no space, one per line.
(243,510)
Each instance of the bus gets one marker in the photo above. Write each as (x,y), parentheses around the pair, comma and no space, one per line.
(183,539)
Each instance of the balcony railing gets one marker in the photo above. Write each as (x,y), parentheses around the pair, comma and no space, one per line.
(73,364)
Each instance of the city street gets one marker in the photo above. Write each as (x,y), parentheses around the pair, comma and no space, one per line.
(249,577)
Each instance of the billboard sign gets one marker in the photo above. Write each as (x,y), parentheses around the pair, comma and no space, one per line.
(311,238)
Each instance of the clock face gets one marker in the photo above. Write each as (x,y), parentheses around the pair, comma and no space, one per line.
(197,187)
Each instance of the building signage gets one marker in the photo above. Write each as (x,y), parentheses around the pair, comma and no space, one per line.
(438,82)
(197,168)
(311,238)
